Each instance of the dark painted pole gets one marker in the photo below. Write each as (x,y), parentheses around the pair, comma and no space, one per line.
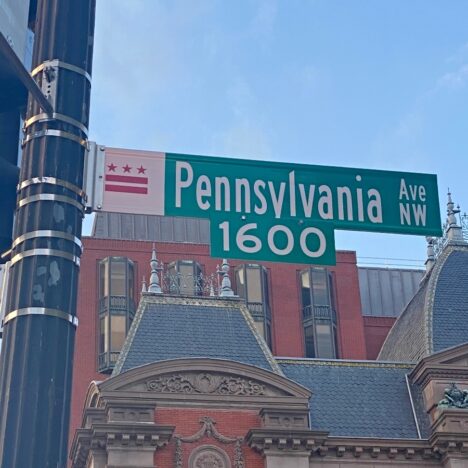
(40,319)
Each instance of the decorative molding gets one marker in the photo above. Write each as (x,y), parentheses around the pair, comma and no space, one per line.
(285,439)
(209,456)
(207,383)
(285,418)
(275,387)
(454,398)
(128,436)
(209,430)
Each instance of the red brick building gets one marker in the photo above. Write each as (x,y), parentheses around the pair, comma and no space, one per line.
(300,310)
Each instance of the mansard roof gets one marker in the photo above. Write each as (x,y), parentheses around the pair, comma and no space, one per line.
(172,327)
(437,316)
(360,398)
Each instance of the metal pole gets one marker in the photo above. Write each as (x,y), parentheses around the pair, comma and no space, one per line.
(40,318)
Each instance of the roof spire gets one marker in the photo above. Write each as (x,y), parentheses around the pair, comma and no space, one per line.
(453,229)
(154,286)
(226,290)
(143,285)
(430,254)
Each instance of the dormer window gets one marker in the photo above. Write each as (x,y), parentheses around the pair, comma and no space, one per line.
(184,277)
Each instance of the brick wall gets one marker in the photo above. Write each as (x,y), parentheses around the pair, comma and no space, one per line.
(284,296)
(376,330)
(230,423)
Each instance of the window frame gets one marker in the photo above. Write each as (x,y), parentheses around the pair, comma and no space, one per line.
(112,305)
(314,315)
(263,316)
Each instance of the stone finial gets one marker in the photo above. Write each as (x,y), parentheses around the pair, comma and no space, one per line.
(143,285)
(226,290)
(453,230)
(155,286)
(430,253)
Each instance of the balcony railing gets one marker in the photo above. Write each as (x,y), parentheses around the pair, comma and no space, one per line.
(318,312)
(122,304)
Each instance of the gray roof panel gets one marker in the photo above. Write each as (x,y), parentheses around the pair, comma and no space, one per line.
(357,399)
(386,291)
(151,228)
(450,306)
(168,327)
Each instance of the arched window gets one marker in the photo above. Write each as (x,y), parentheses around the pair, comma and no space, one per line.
(318,313)
(116,308)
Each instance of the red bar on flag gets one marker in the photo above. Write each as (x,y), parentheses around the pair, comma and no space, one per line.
(126,183)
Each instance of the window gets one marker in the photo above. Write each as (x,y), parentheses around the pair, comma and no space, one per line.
(116,308)
(252,285)
(318,313)
(184,277)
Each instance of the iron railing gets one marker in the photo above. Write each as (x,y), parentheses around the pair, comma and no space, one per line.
(318,312)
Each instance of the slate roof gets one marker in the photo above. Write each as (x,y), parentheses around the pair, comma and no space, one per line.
(359,398)
(437,316)
(169,327)
(450,303)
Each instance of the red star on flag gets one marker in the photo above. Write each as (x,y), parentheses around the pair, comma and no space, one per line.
(141,170)
(126,168)
(112,167)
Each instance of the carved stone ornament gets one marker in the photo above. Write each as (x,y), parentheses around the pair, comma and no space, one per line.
(454,398)
(206,383)
(209,456)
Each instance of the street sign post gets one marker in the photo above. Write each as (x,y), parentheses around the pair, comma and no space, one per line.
(267,210)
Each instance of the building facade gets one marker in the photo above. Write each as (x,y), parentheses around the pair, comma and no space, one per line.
(300,311)
(196,385)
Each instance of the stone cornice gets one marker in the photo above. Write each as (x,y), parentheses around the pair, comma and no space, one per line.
(373,448)
(441,365)
(440,371)
(128,434)
(319,445)
(285,439)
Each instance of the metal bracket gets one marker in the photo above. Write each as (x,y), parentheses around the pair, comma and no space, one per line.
(50,197)
(55,64)
(41,311)
(49,234)
(46,252)
(93,177)
(55,116)
(50,70)
(4,277)
(55,133)
(52,181)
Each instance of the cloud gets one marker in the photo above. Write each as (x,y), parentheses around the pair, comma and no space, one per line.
(456,79)
(401,146)
(264,21)
(244,139)
(460,56)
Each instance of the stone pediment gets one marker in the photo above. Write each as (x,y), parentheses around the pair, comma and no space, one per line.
(203,377)
(210,383)
(451,363)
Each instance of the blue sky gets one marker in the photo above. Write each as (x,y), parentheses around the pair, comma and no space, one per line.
(359,83)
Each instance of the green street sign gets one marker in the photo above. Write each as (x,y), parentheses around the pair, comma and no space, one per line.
(289,240)
(272,211)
